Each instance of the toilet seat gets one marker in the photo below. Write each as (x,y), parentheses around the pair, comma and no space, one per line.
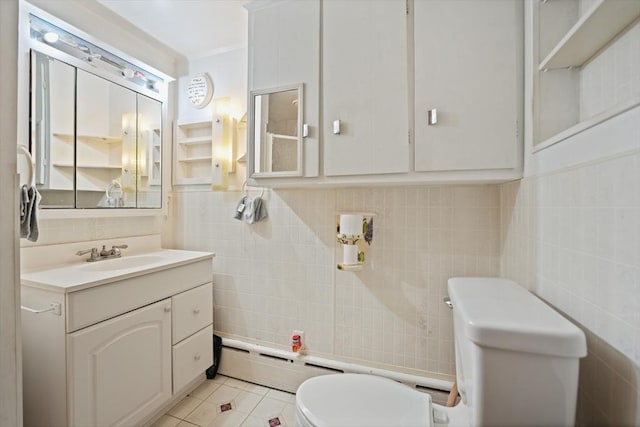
(348,400)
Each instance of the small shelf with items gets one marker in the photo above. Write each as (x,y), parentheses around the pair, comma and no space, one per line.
(578,46)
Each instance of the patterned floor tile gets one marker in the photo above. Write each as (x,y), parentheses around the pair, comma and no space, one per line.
(184,407)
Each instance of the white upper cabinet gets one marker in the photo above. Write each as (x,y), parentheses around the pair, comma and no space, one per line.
(385,68)
(365,88)
(468,68)
(284,50)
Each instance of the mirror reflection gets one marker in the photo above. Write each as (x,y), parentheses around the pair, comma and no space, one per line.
(109,156)
(276,137)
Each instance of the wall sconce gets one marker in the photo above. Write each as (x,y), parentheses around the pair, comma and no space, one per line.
(223,147)
(129,152)
(355,233)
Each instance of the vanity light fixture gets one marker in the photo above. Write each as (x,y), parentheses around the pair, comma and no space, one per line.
(223,144)
(51,37)
(76,46)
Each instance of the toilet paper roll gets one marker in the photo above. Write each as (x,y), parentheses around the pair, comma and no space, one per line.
(350,254)
(351,224)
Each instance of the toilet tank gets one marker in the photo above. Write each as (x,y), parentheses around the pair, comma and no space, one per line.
(517,359)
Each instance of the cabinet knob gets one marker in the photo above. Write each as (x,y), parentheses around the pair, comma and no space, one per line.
(196,356)
(336,127)
(167,309)
(305,130)
(196,310)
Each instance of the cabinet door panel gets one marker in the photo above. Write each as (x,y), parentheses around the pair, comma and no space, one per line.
(120,369)
(365,87)
(284,49)
(468,65)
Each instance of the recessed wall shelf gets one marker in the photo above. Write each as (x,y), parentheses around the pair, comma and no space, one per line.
(196,159)
(194,152)
(196,140)
(575,52)
(597,27)
(87,166)
(89,138)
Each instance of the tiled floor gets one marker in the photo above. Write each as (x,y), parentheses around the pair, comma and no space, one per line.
(227,402)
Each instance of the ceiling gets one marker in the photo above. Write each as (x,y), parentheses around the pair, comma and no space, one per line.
(194,28)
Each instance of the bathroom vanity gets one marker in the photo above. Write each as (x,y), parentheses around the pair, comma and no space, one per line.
(119,340)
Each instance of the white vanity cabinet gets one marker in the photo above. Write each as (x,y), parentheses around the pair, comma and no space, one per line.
(124,344)
(120,369)
(365,89)
(468,81)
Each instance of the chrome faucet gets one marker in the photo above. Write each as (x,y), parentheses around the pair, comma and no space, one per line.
(114,252)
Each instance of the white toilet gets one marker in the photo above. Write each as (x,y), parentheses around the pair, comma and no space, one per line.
(517,364)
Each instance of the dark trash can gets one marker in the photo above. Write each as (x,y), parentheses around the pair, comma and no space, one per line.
(217,351)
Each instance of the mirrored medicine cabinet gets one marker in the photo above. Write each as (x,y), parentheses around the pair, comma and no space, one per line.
(276,132)
(95,125)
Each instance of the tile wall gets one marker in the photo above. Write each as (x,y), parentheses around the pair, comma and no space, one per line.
(573,237)
(280,274)
(613,77)
(65,230)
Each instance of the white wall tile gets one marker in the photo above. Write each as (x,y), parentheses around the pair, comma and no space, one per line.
(583,258)
(280,274)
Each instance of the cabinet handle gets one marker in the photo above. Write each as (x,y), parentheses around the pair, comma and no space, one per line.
(305,130)
(196,310)
(54,307)
(432,117)
(196,357)
(167,309)
(336,127)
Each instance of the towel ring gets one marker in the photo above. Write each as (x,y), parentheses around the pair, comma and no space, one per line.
(244,189)
(115,185)
(32,170)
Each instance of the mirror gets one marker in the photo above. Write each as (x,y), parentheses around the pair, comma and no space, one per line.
(96,144)
(275,141)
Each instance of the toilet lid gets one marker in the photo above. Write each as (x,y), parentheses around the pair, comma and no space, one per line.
(361,400)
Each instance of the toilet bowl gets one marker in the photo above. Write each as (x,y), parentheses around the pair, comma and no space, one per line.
(517,364)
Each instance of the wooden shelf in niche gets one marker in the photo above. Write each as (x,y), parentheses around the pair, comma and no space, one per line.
(194,152)
(87,166)
(196,159)
(89,138)
(583,39)
(597,27)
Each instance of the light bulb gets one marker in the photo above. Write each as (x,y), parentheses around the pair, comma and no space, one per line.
(51,37)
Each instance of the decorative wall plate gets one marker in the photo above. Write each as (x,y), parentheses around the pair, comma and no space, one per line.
(200,90)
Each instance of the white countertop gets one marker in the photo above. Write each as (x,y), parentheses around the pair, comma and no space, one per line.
(84,275)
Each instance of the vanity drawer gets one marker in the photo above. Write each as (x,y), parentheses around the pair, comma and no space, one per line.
(192,357)
(192,311)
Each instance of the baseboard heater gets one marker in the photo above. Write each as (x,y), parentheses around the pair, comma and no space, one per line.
(286,370)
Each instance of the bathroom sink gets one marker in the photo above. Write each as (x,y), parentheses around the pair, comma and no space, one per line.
(77,275)
(123,263)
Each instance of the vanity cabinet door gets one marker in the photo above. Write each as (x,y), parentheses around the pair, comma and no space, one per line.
(365,88)
(468,67)
(120,369)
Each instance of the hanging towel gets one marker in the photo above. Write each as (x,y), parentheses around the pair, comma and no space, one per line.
(254,210)
(29,201)
(242,204)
